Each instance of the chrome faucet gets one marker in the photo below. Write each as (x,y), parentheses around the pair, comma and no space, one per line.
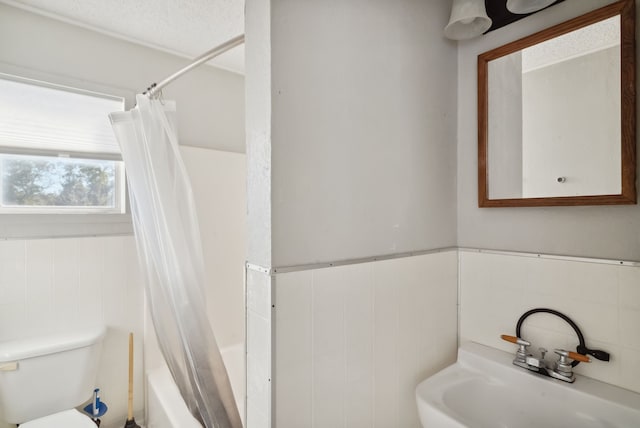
(561,369)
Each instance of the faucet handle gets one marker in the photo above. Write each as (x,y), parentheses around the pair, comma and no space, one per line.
(521,353)
(573,355)
(515,340)
(564,369)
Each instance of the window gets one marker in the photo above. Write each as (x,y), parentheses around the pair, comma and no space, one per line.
(58,154)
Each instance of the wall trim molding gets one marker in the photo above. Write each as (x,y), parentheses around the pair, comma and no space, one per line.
(296,268)
(552,256)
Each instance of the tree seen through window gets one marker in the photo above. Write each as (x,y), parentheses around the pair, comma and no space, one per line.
(64,182)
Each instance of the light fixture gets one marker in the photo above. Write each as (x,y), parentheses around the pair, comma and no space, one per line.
(468,19)
(521,7)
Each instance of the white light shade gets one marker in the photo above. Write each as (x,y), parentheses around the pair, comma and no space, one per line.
(468,19)
(521,7)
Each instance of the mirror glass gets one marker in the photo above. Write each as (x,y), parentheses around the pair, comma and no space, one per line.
(554,125)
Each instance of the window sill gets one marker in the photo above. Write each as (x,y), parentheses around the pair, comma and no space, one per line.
(37,226)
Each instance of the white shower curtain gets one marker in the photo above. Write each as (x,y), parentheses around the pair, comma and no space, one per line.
(169,247)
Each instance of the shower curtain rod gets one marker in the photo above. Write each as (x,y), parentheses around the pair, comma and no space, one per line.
(218,50)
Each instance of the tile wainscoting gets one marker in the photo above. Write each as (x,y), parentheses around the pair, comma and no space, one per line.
(602,297)
(52,285)
(347,345)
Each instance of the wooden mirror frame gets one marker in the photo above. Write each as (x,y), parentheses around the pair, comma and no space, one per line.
(626,10)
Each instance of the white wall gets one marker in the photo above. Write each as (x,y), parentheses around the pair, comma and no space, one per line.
(57,285)
(260,348)
(210,101)
(601,296)
(258,129)
(606,231)
(363,118)
(351,154)
(362,127)
(353,342)
(577,135)
(219,181)
(504,124)
(565,131)
(85,280)
(210,115)
(496,289)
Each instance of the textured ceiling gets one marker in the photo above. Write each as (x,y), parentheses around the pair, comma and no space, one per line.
(185,27)
(592,38)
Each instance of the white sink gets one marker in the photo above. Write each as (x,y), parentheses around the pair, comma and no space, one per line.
(484,389)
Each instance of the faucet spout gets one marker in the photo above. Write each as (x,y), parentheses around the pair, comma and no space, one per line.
(536,362)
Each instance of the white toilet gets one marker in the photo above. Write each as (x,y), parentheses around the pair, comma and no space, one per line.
(43,379)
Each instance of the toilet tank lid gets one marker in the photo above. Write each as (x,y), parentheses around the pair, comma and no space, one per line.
(21,349)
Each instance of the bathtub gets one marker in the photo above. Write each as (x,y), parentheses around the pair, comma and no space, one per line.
(165,407)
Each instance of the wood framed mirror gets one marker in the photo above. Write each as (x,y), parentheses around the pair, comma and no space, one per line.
(557,114)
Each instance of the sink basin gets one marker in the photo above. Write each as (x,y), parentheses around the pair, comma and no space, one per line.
(484,389)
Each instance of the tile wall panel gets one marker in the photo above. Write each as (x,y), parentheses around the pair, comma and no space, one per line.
(259,349)
(602,298)
(293,392)
(53,285)
(352,342)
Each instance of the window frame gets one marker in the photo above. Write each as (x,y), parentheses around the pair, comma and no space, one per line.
(59,223)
